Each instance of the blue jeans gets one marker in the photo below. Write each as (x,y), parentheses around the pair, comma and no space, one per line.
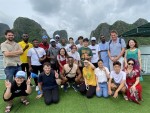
(11,71)
(103,90)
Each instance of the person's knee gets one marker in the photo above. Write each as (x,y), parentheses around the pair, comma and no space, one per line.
(55,100)
(98,94)
(89,95)
(48,102)
(105,95)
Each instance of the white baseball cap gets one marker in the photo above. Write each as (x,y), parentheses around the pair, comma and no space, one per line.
(93,38)
(52,40)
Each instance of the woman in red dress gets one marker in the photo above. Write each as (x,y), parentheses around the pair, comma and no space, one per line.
(134,88)
(62,58)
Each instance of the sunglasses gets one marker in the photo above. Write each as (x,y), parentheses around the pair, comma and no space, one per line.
(131,64)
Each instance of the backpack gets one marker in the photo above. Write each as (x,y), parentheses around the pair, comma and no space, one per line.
(111,41)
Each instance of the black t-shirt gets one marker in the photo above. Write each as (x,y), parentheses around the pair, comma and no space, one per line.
(18,90)
(48,81)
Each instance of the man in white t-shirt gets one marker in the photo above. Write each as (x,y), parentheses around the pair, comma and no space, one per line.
(95,50)
(35,56)
(117,80)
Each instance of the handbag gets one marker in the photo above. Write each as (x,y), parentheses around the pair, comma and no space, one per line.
(42,62)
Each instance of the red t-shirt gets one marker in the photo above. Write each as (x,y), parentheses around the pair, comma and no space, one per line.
(45,47)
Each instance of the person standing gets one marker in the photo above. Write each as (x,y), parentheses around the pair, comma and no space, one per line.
(57,39)
(63,43)
(71,42)
(95,51)
(35,56)
(45,45)
(116,49)
(73,53)
(11,52)
(80,39)
(52,54)
(25,45)
(104,51)
(133,52)
(85,52)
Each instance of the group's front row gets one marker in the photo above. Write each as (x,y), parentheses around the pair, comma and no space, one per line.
(97,81)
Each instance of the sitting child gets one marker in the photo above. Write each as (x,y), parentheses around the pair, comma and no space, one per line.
(117,80)
(18,88)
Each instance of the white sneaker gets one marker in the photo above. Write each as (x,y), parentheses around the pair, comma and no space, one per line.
(36,88)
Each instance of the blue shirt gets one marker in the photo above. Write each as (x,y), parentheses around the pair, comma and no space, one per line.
(116,47)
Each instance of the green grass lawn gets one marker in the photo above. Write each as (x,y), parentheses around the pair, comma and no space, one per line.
(73,102)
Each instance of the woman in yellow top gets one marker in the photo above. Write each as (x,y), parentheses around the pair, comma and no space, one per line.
(89,85)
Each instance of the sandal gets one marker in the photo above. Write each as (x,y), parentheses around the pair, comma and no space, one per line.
(25,102)
(8,109)
(125,97)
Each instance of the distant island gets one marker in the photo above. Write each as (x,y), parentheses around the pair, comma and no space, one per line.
(25,25)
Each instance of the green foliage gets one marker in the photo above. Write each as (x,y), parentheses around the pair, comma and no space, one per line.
(121,27)
(3,28)
(25,25)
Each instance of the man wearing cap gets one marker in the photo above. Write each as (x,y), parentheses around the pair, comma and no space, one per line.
(52,54)
(95,51)
(11,52)
(57,39)
(80,39)
(104,51)
(18,88)
(23,57)
(44,44)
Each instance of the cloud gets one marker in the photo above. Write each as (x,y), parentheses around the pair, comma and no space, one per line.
(80,17)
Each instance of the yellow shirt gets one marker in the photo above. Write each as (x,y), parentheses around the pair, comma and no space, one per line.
(89,75)
(23,57)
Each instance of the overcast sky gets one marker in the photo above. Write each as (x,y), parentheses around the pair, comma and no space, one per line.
(78,17)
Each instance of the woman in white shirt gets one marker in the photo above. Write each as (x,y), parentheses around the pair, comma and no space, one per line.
(102,75)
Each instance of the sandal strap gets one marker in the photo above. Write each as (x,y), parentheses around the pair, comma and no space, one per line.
(26,102)
(8,109)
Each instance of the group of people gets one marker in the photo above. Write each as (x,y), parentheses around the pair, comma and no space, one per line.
(92,69)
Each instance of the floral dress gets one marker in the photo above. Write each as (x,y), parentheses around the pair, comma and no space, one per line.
(135,96)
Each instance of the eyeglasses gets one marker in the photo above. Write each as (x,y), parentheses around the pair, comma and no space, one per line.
(131,64)
(26,36)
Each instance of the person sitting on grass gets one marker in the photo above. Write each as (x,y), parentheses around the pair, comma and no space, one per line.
(18,88)
(102,75)
(48,85)
(117,80)
(71,73)
(134,88)
(88,87)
